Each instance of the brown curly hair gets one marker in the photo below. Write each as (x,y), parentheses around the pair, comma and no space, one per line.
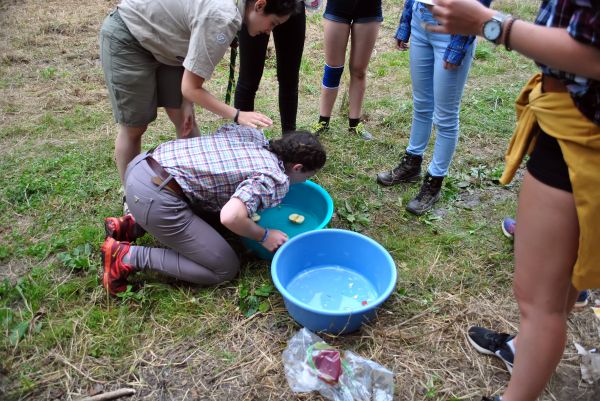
(299,147)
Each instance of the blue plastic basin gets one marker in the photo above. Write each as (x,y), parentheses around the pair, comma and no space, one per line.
(306,198)
(333,280)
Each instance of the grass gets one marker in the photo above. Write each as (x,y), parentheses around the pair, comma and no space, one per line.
(64,339)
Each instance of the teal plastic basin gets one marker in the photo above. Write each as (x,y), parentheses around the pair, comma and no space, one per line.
(306,198)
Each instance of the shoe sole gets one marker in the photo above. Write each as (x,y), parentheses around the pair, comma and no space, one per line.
(506,233)
(389,184)
(109,231)
(104,271)
(488,352)
(422,212)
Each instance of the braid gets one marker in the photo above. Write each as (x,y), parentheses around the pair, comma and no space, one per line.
(300,147)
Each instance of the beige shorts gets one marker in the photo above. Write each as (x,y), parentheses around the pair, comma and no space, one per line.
(137,83)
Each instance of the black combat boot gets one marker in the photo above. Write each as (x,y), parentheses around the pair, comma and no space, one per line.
(409,170)
(430,192)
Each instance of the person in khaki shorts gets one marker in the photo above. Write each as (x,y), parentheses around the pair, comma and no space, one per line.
(159,53)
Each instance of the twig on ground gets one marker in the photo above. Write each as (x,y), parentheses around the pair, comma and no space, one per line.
(111,395)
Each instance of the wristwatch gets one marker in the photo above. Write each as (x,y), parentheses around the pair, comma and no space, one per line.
(492,29)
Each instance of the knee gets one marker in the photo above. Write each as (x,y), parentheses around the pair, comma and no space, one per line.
(536,305)
(288,84)
(332,76)
(246,88)
(422,109)
(358,73)
(228,265)
(132,133)
(229,271)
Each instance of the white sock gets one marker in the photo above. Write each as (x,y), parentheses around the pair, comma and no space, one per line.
(511,344)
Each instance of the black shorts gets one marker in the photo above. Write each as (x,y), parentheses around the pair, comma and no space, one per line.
(353,11)
(547,163)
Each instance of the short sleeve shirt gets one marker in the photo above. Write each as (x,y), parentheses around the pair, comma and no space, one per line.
(192,33)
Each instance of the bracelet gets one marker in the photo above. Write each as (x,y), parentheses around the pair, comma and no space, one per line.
(237,115)
(264,238)
(509,25)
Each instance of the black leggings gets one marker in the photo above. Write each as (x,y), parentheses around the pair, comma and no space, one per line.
(289,45)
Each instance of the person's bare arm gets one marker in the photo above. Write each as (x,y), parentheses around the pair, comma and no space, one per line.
(234,216)
(192,88)
(553,47)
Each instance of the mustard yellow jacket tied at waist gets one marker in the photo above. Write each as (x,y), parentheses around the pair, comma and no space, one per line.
(579,139)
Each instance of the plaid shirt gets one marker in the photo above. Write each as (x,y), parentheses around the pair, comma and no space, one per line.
(234,162)
(581,18)
(458,46)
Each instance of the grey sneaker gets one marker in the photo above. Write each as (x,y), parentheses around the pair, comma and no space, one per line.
(409,170)
(428,195)
(362,131)
(490,342)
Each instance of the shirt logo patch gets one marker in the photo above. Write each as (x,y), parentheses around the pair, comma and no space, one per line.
(221,39)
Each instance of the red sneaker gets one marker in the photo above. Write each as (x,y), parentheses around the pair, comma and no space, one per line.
(114,278)
(122,228)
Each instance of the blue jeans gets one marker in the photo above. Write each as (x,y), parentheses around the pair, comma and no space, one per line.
(436,92)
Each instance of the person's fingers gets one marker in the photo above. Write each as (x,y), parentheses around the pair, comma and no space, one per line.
(254,120)
(262,124)
(264,118)
(188,125)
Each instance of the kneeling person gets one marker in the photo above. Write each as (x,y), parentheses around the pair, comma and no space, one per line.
(235,172)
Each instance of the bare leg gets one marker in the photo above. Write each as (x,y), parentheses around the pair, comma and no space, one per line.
(177,117)
(546,245)
(336,39)
(362,43)
(127,146)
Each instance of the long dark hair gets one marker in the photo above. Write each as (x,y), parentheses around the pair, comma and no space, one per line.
(283,8)
(299,147)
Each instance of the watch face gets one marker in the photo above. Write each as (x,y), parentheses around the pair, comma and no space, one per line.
(492,30)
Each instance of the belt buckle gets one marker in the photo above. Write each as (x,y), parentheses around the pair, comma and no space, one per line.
(159,182)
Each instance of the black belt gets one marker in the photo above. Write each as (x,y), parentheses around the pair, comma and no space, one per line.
(163,175)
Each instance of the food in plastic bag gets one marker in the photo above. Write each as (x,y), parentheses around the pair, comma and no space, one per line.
(313,5)
(313,365)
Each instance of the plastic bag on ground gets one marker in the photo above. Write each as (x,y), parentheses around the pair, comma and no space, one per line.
(590,364)
(313,5)
(313,365)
